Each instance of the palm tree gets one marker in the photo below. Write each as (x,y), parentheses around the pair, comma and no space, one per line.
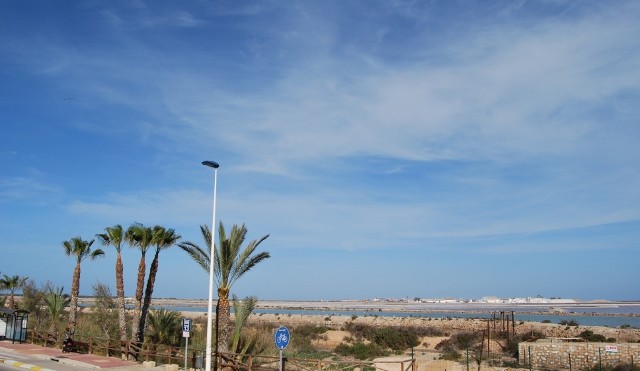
(141,237)
(246,344)
(231,263)
(56,301)
(81,250)
(115,236)
(162,239)
(12,283)
(3,299)
(164,326)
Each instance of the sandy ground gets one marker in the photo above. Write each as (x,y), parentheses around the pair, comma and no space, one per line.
(447,326)
(336,322)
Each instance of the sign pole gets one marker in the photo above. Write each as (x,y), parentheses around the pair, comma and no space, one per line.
(186,351)
(281,337)
(186,328)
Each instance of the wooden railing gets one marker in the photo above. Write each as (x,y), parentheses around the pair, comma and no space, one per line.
(163,354)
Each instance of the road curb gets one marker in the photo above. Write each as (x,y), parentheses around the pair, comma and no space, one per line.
(26,366)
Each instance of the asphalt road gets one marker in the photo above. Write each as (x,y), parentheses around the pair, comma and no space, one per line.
(36,361)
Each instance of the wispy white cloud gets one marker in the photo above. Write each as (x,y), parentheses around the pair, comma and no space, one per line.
(423,126)
(182,207)
(510,95)
(26,188)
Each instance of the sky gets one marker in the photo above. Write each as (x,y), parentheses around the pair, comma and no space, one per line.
(390,149)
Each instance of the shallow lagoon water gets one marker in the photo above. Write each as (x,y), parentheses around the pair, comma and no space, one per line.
(602,317)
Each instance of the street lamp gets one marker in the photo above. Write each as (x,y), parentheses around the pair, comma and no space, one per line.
(212,261)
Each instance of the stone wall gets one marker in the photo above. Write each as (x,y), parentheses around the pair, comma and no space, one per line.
(556,354)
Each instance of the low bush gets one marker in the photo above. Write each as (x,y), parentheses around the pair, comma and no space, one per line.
(572,322)
(361,351)
(589,335)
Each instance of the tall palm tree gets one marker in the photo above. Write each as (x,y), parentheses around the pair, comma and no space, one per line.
(12,283)
(197,253)
(81,250)
(231,262)
(162,239)
(115,236)
(141,237)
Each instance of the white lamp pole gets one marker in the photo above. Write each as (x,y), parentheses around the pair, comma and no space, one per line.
(212,261)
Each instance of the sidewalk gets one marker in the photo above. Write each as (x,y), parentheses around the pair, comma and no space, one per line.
(74,359)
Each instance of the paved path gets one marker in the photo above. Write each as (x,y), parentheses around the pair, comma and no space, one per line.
(71,359)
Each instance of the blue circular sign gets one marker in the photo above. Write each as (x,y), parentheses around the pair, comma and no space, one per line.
(282,337)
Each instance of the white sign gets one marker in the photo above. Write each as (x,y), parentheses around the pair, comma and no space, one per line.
(186,325)
(611,349)
(185,334)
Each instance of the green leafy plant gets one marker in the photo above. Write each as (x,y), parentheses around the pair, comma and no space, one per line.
(589,335)
(361,351)
(569,322)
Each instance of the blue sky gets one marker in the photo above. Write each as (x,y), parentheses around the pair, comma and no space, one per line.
(390,148)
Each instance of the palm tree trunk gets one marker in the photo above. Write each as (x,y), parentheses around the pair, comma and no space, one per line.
(223,315)
(12,302)
(75,291)
(148,293)
(122,319)
(138,304)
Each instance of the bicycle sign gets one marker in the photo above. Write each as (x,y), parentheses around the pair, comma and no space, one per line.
(282,337)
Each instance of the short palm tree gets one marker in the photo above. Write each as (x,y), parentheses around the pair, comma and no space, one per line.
(164,327)
(242,344)
(12,283)
(139,236)
(231,262)
(162,239)
(81,250)
(115,236)
(55,301)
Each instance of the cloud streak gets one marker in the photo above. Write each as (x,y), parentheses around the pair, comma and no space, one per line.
(495,129)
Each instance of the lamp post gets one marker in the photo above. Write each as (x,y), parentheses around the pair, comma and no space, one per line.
(212,261)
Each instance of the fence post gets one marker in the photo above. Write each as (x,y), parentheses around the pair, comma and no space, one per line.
(599,360)
(467,358)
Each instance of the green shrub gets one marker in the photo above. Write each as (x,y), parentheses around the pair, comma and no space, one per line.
(569,322)
(589,335)
(451,356)
(361,351)
(310,331)
(395,338)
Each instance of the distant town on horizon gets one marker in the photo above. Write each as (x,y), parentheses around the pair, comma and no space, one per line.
(446,300)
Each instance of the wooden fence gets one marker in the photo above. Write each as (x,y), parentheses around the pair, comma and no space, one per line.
(163,354)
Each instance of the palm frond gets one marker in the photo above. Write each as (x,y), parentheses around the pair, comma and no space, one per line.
(196,253)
